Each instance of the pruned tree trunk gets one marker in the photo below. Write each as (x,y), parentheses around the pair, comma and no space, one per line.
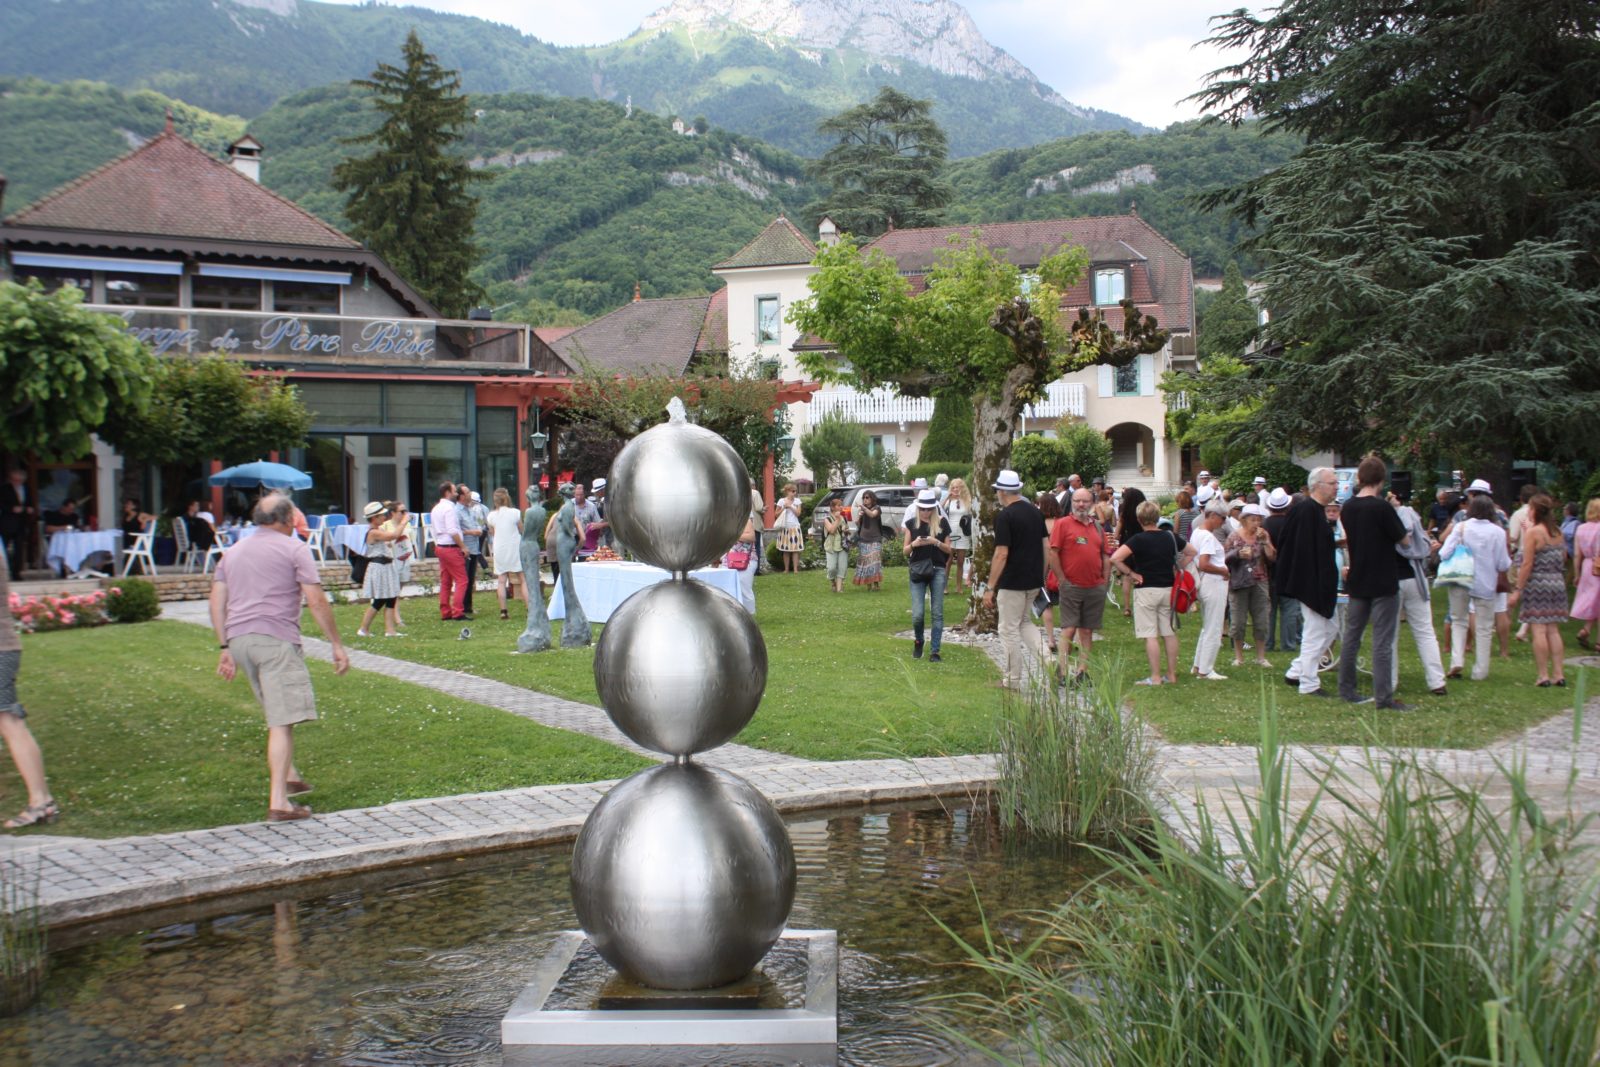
(993,418)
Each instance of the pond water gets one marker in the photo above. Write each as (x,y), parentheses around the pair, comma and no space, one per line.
(417,965)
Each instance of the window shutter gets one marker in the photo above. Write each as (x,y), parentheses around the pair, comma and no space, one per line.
(1107,380)
(1147,376)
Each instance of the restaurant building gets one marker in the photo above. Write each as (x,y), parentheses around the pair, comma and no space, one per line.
(197,257)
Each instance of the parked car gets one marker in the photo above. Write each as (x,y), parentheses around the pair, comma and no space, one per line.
(893,499)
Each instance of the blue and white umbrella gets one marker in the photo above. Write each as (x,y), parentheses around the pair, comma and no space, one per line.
(262,472)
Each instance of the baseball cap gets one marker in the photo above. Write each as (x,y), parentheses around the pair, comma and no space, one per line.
(1008,481)
(1480,486)
(598,483)
(1277,500)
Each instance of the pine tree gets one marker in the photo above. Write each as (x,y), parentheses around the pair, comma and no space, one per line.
(887,169)
(949,431)
(1430,254)
(410,200)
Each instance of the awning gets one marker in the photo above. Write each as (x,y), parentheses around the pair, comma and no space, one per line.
(275,274)
(68,262)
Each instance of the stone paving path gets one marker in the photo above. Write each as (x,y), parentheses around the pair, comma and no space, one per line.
(84,878)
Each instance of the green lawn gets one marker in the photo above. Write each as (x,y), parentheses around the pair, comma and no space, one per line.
(141,736)
(839,684)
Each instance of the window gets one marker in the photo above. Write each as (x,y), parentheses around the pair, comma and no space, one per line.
(497,450)
(342,404)
(767,322)
(229,294)
(1110,286)
(53,278)
(142,290)
(305,298)
(1128,379)
(425,406)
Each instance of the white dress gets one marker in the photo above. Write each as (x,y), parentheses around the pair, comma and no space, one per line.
(507,542)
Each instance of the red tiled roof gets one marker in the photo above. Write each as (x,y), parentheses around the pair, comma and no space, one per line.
(551,334)
(713,339)
(781,244)
(1159,273)
(172,187)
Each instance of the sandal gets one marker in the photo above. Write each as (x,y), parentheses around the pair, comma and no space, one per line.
(1585,643)
(33,815)
(505,615)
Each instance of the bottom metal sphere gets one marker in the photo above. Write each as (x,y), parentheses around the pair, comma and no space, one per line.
(683,877)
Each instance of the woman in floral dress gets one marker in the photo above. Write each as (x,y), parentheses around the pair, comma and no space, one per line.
(869,541)
(1542,589)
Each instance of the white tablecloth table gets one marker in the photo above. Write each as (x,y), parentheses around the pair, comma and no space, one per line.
(69,548)
(349,538)
(602,587)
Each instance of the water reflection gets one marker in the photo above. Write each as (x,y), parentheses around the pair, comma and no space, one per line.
(419,967)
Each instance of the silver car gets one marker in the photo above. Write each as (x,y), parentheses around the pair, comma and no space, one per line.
(893,499)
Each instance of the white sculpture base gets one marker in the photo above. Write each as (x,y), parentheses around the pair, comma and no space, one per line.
(545,1027)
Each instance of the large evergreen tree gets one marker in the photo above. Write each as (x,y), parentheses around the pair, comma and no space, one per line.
(1431,262)
(1230,321)
(886,169)
(411,199)
(949,431)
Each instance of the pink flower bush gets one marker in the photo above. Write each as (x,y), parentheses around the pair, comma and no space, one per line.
(36,614)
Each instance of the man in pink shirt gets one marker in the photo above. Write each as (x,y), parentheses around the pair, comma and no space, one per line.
(255,611)
(447,544)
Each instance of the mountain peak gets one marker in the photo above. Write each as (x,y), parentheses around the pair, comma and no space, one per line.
(935,33)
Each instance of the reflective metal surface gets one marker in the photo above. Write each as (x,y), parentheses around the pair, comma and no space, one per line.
(679,496)
(683,876)
(680,667)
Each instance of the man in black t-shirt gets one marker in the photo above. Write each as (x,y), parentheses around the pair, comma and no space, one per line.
(1016,573)
(1372,529)
(1283,628)
(64,517)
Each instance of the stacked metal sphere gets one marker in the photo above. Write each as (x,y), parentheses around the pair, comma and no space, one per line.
(683,876)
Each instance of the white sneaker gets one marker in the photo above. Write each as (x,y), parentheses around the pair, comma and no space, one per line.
(363,633)
(1215,677)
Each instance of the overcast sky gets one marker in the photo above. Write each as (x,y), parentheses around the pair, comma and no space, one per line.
(1134,57)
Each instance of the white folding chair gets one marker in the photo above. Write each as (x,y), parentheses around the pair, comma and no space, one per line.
(143,550)
(316,539)
(213,554)
(186,550)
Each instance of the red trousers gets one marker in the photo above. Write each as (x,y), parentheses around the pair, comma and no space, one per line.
(452,581)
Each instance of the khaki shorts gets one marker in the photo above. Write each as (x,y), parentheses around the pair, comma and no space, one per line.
(277,673)
(1082,609)
(1152,612)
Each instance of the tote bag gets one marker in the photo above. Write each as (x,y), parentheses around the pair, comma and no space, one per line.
(1456,568)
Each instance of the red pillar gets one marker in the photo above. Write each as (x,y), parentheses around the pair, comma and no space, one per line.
(216,491)
(769,470)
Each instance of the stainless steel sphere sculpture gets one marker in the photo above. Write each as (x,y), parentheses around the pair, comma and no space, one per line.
(683,876)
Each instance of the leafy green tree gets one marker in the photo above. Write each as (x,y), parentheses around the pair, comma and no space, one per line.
(207,407)
(974,331)
(1230,323)
(886,168)
(1430,251)
(834,448)
(63,371)
(411,199)
(1085,451)
(949,431)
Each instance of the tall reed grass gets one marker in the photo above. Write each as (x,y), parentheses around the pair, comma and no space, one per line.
(1074,765)
(23,951)
(1397,917)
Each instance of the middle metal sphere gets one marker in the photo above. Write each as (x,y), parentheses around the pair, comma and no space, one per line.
(680,667)
(679,496)
(683,876)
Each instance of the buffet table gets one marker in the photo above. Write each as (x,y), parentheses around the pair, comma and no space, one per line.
(602,587)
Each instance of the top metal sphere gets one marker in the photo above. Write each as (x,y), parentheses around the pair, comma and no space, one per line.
(679,496)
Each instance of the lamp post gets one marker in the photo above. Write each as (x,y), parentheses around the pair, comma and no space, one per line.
(786,446)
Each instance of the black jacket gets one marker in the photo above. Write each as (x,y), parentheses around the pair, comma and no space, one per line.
(1305,570)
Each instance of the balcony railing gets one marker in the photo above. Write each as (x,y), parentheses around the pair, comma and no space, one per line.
(881,406)
(343,340)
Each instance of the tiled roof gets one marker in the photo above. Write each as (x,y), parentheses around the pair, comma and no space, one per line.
(641,337)
(779,245)
(551,334)
(1159,273)
(713,338)
(172,187)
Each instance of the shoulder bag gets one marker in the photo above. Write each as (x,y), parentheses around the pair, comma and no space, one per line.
(1456,568)
(1184,592)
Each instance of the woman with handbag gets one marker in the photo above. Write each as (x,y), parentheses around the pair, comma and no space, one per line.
(1472,579)
(927,546)
(1250,597)
(959,509)
(1149,562)
(836,527)
(869,541)
(1586,561)
(381,583)
(741,558)
(791,539)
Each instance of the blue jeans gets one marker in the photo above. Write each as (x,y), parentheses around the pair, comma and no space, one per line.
(936,588)
(1286,622)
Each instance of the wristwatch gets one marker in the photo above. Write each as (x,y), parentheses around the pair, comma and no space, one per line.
(223,647)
